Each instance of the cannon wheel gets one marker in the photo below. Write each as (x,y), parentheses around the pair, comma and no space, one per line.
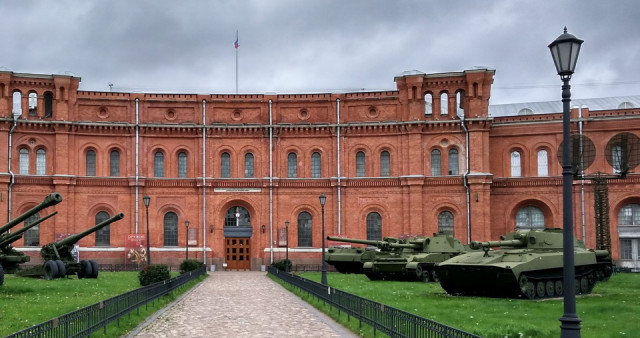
(85,269)
(50,270)
(94,269)
(1,275)
(62,270)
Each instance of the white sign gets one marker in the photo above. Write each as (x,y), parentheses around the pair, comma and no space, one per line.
(237,189)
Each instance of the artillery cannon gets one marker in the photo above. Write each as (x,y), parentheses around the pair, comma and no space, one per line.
(412,259)
(9,257)
(527,264)
(60,261)
(350,260)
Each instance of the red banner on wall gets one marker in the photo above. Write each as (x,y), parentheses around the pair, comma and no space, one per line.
(135,249)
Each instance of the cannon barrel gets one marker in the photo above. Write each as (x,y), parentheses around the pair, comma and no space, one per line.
(387,243)
(75,238)
(16,235)
(48,201)
(493,244)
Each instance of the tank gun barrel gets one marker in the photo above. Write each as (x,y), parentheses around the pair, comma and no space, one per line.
(493,244)
(75,238)
(387,243)
(16,235)
(48,201)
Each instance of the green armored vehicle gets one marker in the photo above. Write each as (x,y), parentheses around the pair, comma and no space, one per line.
(10,258)
(412,259)
(350,260)
(60,261)
(528,265)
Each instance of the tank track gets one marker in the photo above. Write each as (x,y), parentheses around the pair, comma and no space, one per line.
(542,286)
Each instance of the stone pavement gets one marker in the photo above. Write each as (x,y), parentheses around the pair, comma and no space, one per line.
(240,304)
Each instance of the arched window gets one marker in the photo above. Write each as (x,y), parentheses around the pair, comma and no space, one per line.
(17,103)
(385,164)
(374,226)
(304,229)
(428,104)
(24,162)
(237,216)
(170,229)
(436,164)
(225,165)
(453,162)
(182,164)
(516,165)
(360,164)
(628,230)
(33,104)
(543,163)
(32,236)
(103,236)
(41,162)
(460,103)
(530,218)
(444,104)
(90,160)
(292,165)
(48,104)
(114,163)
(316,165)
(158,164)
(445,223)
(248,165)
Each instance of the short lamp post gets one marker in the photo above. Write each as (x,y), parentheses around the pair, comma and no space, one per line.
(146,199)
(565,50)
(323,199)
(186,237)
(286,267)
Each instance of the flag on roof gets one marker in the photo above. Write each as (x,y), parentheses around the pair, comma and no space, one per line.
(235,44)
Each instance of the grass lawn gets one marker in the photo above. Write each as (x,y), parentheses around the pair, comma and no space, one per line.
(25,302)
(612,310)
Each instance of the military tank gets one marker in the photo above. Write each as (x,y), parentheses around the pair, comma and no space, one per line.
(351,259)
(10,258)
(412,259)
(528,264)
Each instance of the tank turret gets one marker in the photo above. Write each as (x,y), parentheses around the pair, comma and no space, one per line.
(524,263)
(351,259)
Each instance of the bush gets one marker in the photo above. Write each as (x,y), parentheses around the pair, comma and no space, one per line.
(282,264)
(190,265)
(153,274)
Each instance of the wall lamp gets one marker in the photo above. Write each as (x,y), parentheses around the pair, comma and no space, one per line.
(263,228)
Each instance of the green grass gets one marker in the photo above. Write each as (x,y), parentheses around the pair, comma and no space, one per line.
(25,302)
(610,311)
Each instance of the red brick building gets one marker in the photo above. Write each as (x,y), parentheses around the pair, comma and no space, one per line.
(430,156)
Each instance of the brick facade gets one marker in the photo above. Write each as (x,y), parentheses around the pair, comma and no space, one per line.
(407,194)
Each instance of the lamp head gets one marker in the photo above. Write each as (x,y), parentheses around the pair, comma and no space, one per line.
(186,223)
(565,50)
(286,224)
(146,200)
(323,199)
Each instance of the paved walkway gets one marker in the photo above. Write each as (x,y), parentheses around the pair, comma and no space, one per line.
(240,304)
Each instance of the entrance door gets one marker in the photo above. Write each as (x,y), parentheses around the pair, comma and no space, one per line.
(237,252)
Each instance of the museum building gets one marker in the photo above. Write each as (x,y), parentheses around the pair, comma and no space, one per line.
(234,180)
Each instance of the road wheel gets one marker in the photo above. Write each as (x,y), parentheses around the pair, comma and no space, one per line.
(541,289)
(526,287)
(584,285)
(85,269)
(62,270)
(94,269)
(559,288)
(50,270)
(551,289)
(434,276)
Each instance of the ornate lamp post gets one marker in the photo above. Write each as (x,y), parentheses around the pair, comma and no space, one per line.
(323,199)
(286,225)
(186,243)
(565,50)
(237,217)
(146,199)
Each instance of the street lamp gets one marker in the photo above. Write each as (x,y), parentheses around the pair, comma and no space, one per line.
(186,243)
(146,199)
(323,199)
(237,217)
(565,50)
(286,225)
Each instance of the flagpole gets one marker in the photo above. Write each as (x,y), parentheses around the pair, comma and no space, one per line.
(236,45)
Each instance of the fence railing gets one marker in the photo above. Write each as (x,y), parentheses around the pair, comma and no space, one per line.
(83,322)
(383,318)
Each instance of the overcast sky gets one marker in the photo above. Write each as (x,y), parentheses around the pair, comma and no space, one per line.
(294,46)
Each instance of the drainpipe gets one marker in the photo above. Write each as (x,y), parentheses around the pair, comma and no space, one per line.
(271,184)
(338,166)
(13,176)
(465,178)
(582,210)
(137,159)
(204,186)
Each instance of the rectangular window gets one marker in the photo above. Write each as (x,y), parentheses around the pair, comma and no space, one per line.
(41,162)
(114,163)
(91,163)
(360,164)
(626,249)
(316,165)
(24,162)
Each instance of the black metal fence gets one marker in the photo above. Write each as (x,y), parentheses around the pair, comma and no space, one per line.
(383,318)
(83,322)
